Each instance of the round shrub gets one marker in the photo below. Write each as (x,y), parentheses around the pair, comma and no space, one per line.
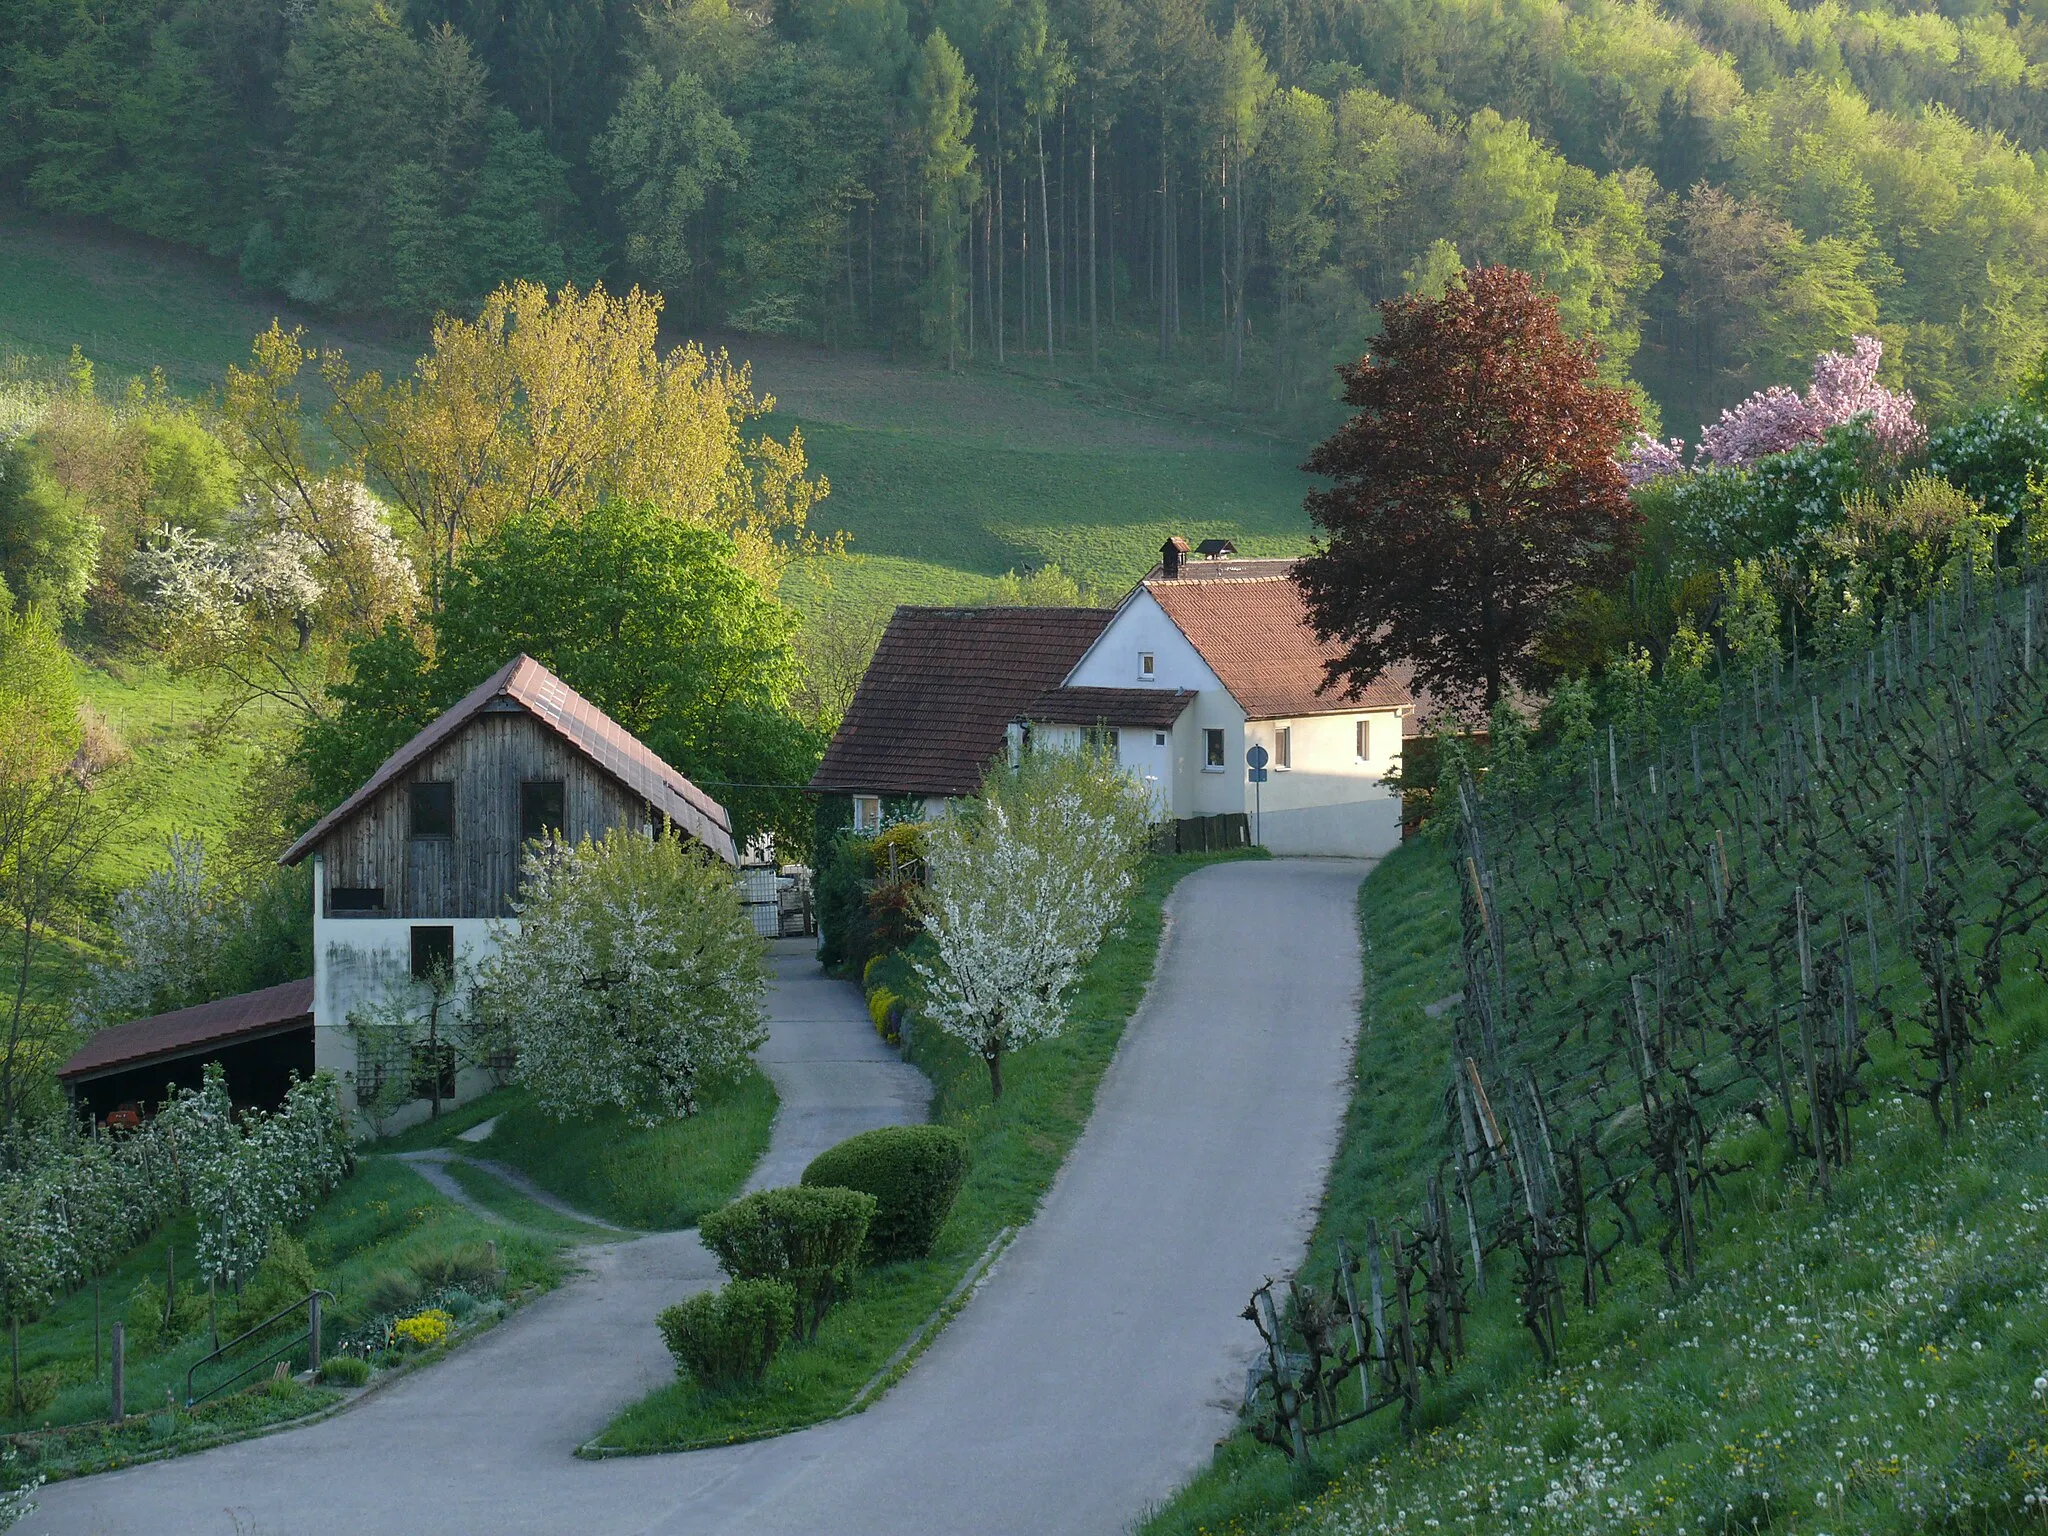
(344,1371)
(913,1171)
(729,1337)
(808,1237)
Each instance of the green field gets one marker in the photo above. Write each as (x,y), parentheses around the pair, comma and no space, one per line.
(940,480)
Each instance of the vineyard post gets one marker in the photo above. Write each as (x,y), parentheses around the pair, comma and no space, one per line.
(1347,1269)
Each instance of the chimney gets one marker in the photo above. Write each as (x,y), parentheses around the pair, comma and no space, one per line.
(1173,555)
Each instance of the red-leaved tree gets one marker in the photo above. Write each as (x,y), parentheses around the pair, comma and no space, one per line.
(1475,488)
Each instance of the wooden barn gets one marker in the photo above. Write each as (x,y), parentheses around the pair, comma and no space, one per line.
(415,871)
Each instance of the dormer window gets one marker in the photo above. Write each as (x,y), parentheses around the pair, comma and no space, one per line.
(1147,666)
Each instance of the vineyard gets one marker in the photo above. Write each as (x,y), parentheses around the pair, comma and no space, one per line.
(1808,891)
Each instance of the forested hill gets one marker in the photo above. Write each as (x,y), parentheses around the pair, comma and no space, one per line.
(1209,197)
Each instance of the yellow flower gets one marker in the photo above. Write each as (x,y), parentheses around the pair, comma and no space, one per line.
(425,1329)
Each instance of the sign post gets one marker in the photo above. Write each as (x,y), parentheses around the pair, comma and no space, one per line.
(1257,759)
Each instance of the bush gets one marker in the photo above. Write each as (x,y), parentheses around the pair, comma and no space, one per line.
(344,1371)
(728,1338)
(284,1276)
(145,1318)
(38,1391)
(914,1173)
(469,1265)
(391,1290)
(808,1237)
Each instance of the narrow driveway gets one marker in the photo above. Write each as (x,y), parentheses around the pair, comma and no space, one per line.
(1089,1377)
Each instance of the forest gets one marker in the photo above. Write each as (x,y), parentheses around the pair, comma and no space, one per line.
(1201,202)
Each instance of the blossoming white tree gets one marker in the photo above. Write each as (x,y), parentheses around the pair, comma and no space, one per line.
(634,981)
(1025,882)
(167,935)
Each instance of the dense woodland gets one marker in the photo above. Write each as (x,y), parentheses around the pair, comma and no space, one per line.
(1206,200)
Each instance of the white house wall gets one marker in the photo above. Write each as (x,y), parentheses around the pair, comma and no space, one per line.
(1330,801)
(356,961)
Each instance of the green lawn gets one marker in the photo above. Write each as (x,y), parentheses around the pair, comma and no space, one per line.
(655,1179)
(1017,1147)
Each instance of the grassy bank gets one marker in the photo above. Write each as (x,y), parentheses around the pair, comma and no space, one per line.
(382,1243)
(1017,1147)
(1861,1360)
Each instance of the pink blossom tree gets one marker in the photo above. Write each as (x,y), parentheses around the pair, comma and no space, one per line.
(1774,420)
(1844,387)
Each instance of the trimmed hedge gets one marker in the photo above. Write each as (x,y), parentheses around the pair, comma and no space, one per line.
(913,1171)
(729,1337)
(809,1238)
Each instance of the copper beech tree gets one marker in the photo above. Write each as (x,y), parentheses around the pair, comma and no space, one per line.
(1474,489)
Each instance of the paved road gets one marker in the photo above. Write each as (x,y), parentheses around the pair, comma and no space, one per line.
(1088,1378)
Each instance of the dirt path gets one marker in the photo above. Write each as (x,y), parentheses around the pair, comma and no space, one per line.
(1088,1377)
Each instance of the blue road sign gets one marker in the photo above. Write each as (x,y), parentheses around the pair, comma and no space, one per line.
(1257,757)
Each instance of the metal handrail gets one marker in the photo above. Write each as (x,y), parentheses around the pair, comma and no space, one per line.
(291,1343)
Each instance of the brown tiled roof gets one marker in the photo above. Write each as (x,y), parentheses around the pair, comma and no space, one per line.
(932,709)
(217,1023)
(1156,707)
(1247,619)
(578,722)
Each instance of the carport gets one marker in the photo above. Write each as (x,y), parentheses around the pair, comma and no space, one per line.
(260,1039)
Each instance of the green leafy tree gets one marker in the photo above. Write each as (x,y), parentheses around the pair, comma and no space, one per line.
(667,148)
(49,543)
(650,619)
(942,118)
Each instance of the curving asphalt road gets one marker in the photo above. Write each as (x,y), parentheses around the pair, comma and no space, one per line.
(1092,1372)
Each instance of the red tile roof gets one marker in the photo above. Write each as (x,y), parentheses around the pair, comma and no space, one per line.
(580,723)
(933,707)
(217,1023)
(1156,707)
(1248,620)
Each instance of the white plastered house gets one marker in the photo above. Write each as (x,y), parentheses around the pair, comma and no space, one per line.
(1221,644)
(1204,658)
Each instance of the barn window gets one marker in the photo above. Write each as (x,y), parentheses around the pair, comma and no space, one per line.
(355,898)
(540,809)
(433,950)
(433,809)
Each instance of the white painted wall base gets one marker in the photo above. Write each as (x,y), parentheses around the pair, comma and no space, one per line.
(1367,829)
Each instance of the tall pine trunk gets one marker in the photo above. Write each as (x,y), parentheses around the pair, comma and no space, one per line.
(1045,237)
(1094,325)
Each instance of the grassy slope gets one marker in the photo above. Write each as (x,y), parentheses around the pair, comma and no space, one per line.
(1017,1147)
(382,1224)
(942,480)
(1865,1363)
(662,1178)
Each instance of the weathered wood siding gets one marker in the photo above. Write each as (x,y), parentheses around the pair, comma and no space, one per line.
(475,873)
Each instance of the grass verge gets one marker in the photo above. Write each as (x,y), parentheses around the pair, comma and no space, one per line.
(1018,1146)
(1863,1362)
(655,1179)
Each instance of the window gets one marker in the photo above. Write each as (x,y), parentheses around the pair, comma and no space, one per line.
(1365,741)
(433,949)
(433,809)
(1212,749)
(424,1074)
(1146,668)
(1159,738)
(1283,746)
(355,898)
(867,813)
(1105,739)
(540,809)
